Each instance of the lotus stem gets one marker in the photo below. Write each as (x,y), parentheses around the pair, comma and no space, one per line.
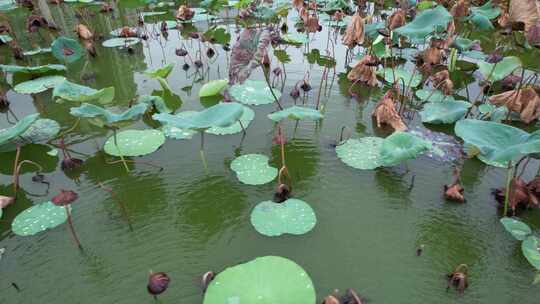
(270,87)
(75,125)
(282,145)
(72,229)
(119,152)
(203,158)
(507,190)
(242,126)
(15,165)
(320,89)
(18,172)
(517,93)
(122,206)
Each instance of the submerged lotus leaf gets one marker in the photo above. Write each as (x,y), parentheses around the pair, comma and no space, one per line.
(433,96)
(66,49)
(90,111)
(220,115)
(363,153)
(496,141)
(497,71)
(134,143)
(401,146)
(269,279)
(38,218)
(245,120)
(292,216)
(155,101)
(162,72)
(9,134)
(213,87)
(253,169)
(296,113)
(32,70)
(120,42)
(39,85)
(425,23)
(173,132)
(253,92)
(444,112)
(530,248)
(408,77)
(518,229)
(75,92)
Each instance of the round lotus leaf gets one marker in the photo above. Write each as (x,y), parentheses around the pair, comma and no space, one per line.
(7,135)
(518,229)
(120,42)
(253,92)
(444,112)
(253,169)
(75,92)
(425,23)
(174,132)
(213,87)
(433,96)
(363,153)
(530,248)
(39,85)
(296,113)
(32,70)
(134,142)
(264,280)
(38,218)
(292,216)
(497,71)
(245,119)
(401,146)
(222,114)
(66,49)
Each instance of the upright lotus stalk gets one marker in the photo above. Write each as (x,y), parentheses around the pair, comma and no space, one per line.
(64,199)
(508,185)
(283,190)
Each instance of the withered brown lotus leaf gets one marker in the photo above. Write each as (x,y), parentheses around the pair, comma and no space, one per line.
(312,24)
(533,34)
(385,113)
(460,9)
(454,191)
(298,4)
(83,32)
(397,19)
(127,32)
(365,71)
(184,13)
(6,201)
(458,279)
(354,34)
(525,101)
(524,11)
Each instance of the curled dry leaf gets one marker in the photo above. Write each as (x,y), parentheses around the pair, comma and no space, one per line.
(312,24)
(247,53)
(442,81)
(460,9)
(504,20)
(533,34)
(354,34)
(184,13)
(365,71)
(524,101)
(65,198)
(83,32)
(454,191)
(510,82)
(206,279)
(157,283)
(526,12)
(458,279)
(520,194)
(397,19)
(331,300)
(6,201)
(298,4)
(127,32)
(89,47)
(385,113)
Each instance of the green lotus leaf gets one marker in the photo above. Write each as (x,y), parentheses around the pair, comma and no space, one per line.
(401,146)
(32,70)
(155,101)
(496,141)
(479,55)
(489,10)
(120,42)
(220,115)
(199,17)
(372,28)
(171,131)
(444,112)
(134,142)
(481,22)
(253,92)
(363,153)
(253,169)
(425,23)
(66,49)
(91,111)
(37,51)
(424,5)
(269,279)
(400,73)
(245,120)
(6,5)
(38,218)
(463,44)
(162,72)
(7,135)
(530,248)
(39,85)
(329,21)
(213,87)
(497,71)
(75,92)
(4,39)
(292,216)
(153,13)
(41,131)
(517,229)
(295,38)
(296,113)
(486,108)
(433,96)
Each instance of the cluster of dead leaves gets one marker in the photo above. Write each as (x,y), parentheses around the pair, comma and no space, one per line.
(454,191)
(184,13)
(441,80)
(365,71)
(308,14)
(521,194)
(354,34)
(385,112)
(524,101)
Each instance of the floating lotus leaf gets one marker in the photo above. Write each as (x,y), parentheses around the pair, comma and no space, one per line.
(401,146)
(213,87)
(292,216)
(296,113)
(39,85)
(269,279)
(489,10)
(245,119)
(41,131)
(134,143)
(253,169)
(530,249)
(295,38)
(518,229)
(220,115)
(401,73)
(363,153)
(66,49)
(6,5)
(90,111)
(32,70)
(162,72)
(75,92)
(38,218)
(444,112)
(436,96)
(155,101)
(7,135)
(120,42)
(171,131)
(497,71)
(497,142)
(425,23)
(37,51)
(253,92)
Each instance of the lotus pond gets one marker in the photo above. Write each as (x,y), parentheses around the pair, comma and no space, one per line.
(269,152)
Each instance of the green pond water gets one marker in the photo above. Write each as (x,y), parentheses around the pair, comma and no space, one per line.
(187,220)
